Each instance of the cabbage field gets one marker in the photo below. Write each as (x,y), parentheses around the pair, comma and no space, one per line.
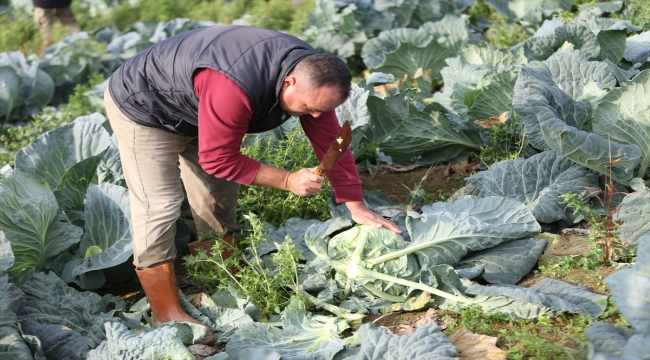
(544,253)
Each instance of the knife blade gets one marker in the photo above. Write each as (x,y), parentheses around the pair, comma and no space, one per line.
(336,150)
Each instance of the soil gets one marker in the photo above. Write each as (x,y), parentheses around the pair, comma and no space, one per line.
(398,181)
(594,280)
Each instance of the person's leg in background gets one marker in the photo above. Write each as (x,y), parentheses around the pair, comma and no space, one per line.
(44,19)
(67,19)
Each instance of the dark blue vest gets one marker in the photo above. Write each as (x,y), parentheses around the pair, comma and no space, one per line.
(155,87)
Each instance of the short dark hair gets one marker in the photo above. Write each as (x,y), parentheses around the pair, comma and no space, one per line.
(327,70)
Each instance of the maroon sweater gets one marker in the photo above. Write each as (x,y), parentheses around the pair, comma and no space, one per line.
(224,113)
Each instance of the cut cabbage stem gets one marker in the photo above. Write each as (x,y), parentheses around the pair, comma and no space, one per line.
(354,271)
(384,295)
(644,166)
(414,248)
(339,312)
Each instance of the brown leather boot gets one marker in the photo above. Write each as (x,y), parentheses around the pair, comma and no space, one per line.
(229,239)
(159,284)
(207,246)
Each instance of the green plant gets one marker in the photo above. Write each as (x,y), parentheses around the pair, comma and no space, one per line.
(17,137)
(18,31)
(301,16)
(639,12)
(284,15)
(540,338)
(606,247)
(474,318)
(507,141)
(504,34)
(269,288)
(563,267)
(375,258)
(272,14)
(126,13)
(418,196)
(276,206)
(480,10)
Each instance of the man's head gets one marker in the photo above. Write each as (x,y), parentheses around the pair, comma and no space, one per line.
(317,84)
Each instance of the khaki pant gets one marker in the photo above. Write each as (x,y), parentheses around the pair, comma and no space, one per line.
(154,160)
(44,18)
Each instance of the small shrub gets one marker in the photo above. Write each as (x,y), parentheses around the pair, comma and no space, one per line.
(638,12)
(507,142)
(269,289)
(503,34)
(277,206)
(19,32)
(605,245)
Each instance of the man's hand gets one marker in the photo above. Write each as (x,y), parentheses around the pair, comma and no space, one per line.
(304,182)
(362,215)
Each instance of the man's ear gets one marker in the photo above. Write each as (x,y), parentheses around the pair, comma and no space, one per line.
(289,81)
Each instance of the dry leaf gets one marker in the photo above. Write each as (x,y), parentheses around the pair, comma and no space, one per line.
(473,346)
(196,299)
(572,243)
(431,317)
(409,326)
(493,121)
(201,351)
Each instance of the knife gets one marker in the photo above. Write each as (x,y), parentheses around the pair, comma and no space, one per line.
(336,150)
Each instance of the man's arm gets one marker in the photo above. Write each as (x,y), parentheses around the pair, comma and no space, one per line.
(224,114)
(344,178)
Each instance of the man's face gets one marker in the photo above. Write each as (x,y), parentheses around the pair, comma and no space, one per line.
(299,99)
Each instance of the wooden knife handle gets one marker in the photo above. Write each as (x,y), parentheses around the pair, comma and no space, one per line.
(319,170)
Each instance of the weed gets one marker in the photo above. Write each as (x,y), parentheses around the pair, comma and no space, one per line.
(561,269)
(638,12)
(18,32)
(417,196)
(507,141)
(606,247)
(542,338)
(480,10)
(503,34)
(280,14)
(276,206)
(269,288)
(283,15)
(475,319)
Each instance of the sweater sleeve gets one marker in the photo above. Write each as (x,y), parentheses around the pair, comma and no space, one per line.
(224,115)
(344,178)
